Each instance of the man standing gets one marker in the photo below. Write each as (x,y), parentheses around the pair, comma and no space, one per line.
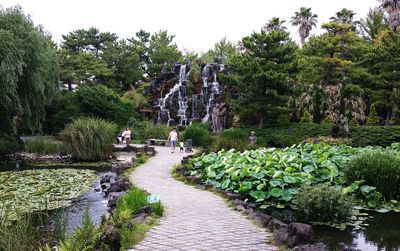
(173,136)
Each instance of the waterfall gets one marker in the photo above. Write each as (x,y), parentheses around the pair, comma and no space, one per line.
(182,99)
(211,100)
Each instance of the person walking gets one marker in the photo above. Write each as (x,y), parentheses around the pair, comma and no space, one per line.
(173,136)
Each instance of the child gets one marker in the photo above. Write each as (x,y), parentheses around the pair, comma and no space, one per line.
(181,145)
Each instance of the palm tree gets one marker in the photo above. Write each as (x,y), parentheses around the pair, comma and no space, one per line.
(344,16)
(275,24)
(392,7)
(306,20)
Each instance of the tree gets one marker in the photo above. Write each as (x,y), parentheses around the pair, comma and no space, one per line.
(330,63)
(305,19)
(28,71)
(392,7)
(88,40)
(263,74)
(344,16)
(274,24)
(373,24)
(161,50)
(384,64)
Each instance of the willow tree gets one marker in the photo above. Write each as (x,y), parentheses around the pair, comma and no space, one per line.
(28,71)
(306,20)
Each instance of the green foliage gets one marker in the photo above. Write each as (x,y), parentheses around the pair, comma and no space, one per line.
(18,236)
(161,50)
(28,72)
(199,133)
(373,118)
(354,122)
(157,131)
(8,143)
(283,119)
(374,135)
(91,101)
(45,145)
(380,169)
(231,139)
(268,64)
(130,237)
(89,138)
(129,204)
(323,203)
(307,118)
(328,120)
(274,176)
(158,208)
(85,238)
(43,189)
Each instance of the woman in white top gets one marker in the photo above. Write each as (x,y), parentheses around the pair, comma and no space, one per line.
(127,135)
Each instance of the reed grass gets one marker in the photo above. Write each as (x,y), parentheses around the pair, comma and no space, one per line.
(89,139)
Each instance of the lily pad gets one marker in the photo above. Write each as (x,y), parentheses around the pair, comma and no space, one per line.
(42,189)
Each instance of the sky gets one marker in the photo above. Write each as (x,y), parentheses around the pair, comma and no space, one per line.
(197,25)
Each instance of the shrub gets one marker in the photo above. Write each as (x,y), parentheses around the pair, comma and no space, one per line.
(374,135)
(45,145)
(158,131)
(373,118)
(328,120)
(380,169)
(354,122)
(327,140)
(8,144)
(158,208)
(307,118)
(283,119)
(322,203)
(89,138)
(199,134)
(132,202)
(91,101)
(233,138)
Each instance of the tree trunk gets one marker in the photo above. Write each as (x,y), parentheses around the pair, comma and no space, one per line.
(261,122)
(388,113)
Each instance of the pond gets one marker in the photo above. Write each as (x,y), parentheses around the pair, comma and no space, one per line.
(382,232)
(92,200)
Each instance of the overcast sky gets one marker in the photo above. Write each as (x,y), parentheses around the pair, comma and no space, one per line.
(196,24)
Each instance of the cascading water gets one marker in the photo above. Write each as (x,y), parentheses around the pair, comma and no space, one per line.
(174,104)
(211,100)
(179,88)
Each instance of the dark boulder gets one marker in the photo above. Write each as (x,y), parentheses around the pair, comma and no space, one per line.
(299,234)
(281,236)
(276,224)
(262,218)
(137,219)
(146,210)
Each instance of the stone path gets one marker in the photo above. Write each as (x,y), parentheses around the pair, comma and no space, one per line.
(194,219)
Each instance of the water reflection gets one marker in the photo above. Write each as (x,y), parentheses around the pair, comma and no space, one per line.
(381,234)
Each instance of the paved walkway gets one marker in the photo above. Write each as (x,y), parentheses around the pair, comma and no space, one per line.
(194,219)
